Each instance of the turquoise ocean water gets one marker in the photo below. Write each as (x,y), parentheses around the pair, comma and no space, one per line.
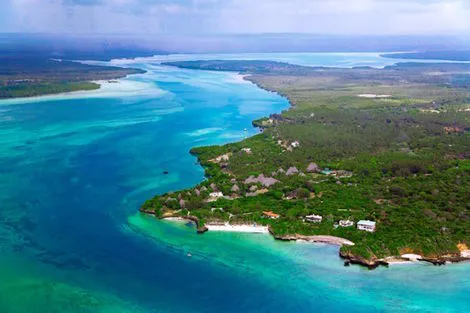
(75,168)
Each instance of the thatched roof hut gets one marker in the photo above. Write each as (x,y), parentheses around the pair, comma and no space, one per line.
(267,181)
(292,170)
(313,168)
(251,180)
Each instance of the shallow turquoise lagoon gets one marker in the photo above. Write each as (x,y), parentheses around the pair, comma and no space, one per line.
(75,168)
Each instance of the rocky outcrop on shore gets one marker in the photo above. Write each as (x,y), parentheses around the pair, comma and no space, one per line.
(373,263)
(202,230)
(194,219)
(350,258)
(320,239)
(443,260)
(147,211)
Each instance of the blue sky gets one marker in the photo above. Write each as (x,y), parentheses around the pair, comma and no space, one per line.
(378,17)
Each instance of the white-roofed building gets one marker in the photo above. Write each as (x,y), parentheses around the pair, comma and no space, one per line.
(365,225)
(346,223)
(314,218)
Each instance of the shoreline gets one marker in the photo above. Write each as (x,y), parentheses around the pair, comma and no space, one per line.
(406,259)
(331,240)
(99,83)
(107,89)
(238,228)
(254,228)
(349,258)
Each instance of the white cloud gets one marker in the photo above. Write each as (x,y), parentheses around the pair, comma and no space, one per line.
(355,16)
(241,16)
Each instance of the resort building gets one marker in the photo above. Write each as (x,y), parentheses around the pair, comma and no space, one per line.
(271,215)
(313,218)
(213,196)
(295,144)
(366,225)
(346,223)
(216,194)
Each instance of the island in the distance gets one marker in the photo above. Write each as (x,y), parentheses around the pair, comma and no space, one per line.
(449,55)
(25,76)
(374,160)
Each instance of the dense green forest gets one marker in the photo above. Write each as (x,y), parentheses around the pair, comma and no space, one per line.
(396,142)
(33,76)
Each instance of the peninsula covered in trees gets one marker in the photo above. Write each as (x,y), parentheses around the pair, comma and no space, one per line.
(28,76)
(385,150)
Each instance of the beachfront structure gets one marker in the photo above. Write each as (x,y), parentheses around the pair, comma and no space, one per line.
(216,195)
(346,223)
(313,218)
(366,226)
(271,215)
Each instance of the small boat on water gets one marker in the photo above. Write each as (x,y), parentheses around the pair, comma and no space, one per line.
(189,255)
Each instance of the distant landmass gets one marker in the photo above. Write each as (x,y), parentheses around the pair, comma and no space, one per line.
(119,46)
(40,64)
(24,76)
(451,55)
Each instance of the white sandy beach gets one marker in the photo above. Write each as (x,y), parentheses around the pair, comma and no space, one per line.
(176,219)
(373,96)
(238,79)
(396,262)
(117,88)
(244,228)
(412,257)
